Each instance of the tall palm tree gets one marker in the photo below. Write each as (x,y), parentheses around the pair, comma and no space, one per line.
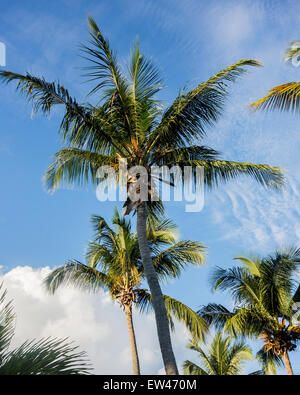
(285,97)
(37,357)
(225,356)
(265,292)
(128,122)
(114,264)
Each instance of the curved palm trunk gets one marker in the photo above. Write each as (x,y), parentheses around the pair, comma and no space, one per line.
(287,363)
(162,324)
(133,347)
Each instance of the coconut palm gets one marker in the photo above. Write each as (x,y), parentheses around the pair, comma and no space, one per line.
(129,123)
(265,292)
(224,356)
(37,357)
(114,264)
(285,97)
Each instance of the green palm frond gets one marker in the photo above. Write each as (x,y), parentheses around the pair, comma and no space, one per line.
(73,165)
(78,274)
(145,77)
(175,309)
(215,314)
(269,361)
(186,118)
(45,357)
(218,171)
(171,261)
(238,282)
(43,95)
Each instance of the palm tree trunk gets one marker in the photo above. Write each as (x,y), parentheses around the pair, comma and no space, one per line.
(162,323)
(287,363)
(133,347)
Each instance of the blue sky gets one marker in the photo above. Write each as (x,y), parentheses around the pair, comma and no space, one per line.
(189,40)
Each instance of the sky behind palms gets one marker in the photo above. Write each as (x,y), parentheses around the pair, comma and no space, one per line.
(189,40)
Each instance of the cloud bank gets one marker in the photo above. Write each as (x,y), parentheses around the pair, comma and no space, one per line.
(93,322)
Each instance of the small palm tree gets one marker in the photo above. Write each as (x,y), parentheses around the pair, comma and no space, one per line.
(285,97)
(114,264)
(225,356)
(128,122)
(265,293)
(41,357)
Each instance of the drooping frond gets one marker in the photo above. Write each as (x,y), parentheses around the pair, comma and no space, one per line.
(238,282)
(175,309)
(269,361)
(75,273)
(218,171)
(285,97)
(45,357)
(43,95)
(80,126)
(73,165)
(215,314)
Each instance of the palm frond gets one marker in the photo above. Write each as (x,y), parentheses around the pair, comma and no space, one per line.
(75,273)
(73,165)
(186,119)
(269,361)
(45,357)
(285,97)
(170,262)
(218,171)
(190,368)
(175,309)
(7,319)
(215,314)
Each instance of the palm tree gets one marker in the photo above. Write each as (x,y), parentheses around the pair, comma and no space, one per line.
(128,123)
(37,357)
(114,264)
(283,97)
(223,357)
(265,293)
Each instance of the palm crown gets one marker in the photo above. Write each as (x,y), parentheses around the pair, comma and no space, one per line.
(224,356)
(114,264)
(264,292)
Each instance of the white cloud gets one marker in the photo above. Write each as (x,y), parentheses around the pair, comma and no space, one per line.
(96,324)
